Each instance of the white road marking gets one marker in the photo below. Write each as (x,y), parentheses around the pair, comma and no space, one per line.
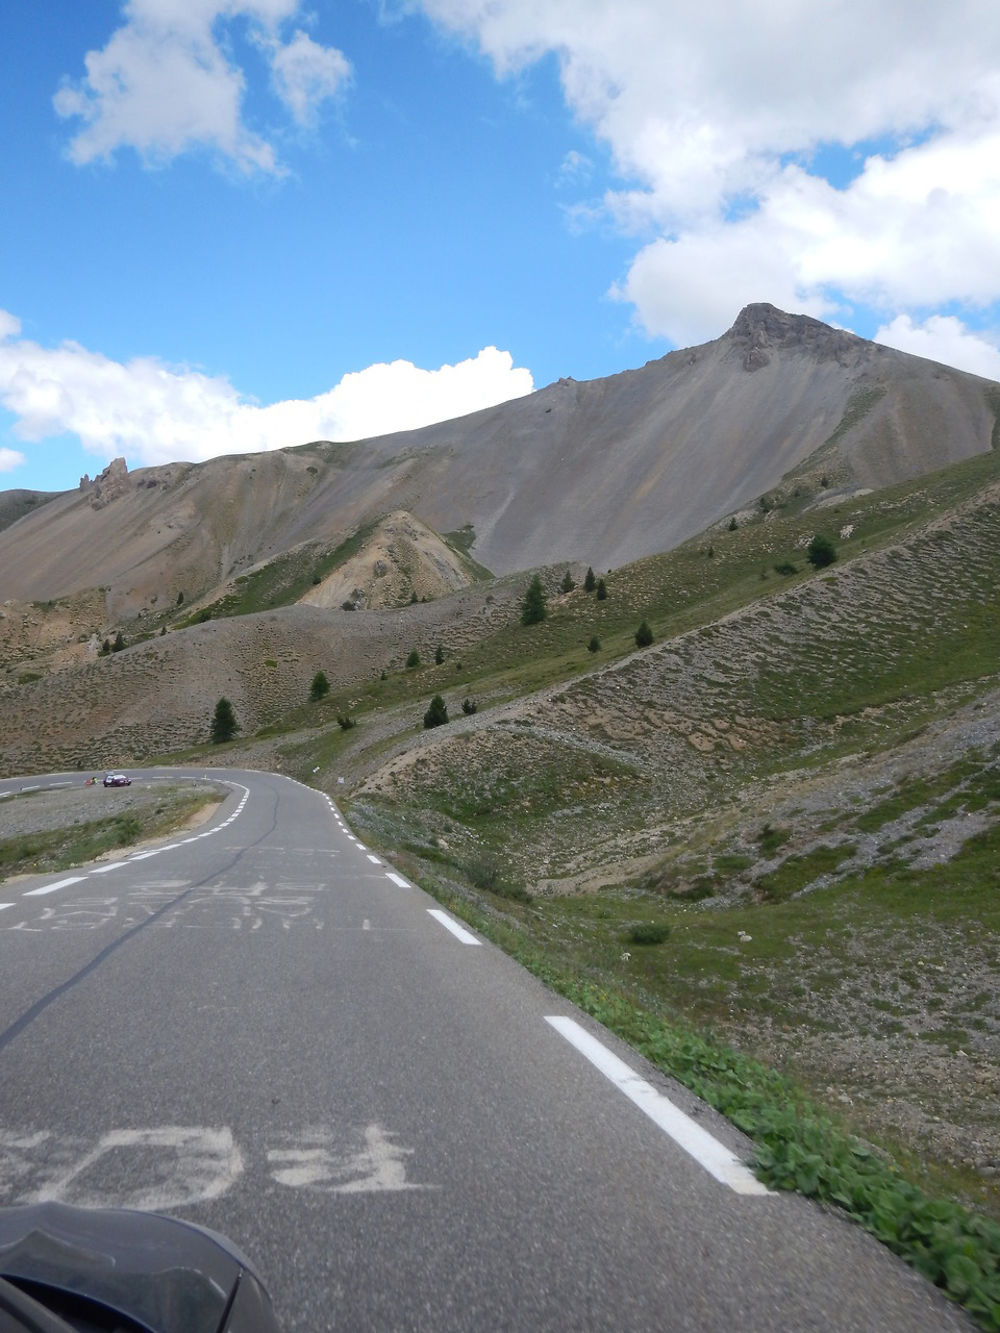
(185,1165)
(144,856)
(51,888)
(3,905)
(398,879)
(374,860)
(708,1152)
(458,931)
(103,870)
(316,1163)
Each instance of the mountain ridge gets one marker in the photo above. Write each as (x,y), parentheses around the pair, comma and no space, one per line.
(605,471)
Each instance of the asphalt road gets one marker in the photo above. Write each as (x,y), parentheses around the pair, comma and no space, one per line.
(260,1026)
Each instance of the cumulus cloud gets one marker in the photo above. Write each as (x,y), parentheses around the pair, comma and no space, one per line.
(716,115)
(10,459)
(164,83)
(305,74)
(154,413)
(943,338)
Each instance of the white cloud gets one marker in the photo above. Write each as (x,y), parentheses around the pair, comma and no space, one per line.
(164,85)
(10,459)
(946,339)
(713,114)
(153,413)
(305,74)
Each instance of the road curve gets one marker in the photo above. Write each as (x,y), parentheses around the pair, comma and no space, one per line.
(259,1025)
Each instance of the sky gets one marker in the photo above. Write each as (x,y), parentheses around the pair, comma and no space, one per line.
(235,225)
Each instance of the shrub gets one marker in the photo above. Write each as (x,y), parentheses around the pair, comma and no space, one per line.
(468,706)
(348,605)
(786,567)
(439,654)
(594,646)
(567,584)
(821,552)
(602,590)
(733,525)
(224,724)
(319,687)
(413,660)
(345,723)
(643,635)
(437,713)
(534,609)
(649,932)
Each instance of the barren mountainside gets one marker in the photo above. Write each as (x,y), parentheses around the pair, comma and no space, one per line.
(605,471)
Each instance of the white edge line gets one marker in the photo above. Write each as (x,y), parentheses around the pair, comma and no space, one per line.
(51,888)
(458,931)
(707,1151)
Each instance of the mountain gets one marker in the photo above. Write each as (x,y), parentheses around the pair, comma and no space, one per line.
(605,471)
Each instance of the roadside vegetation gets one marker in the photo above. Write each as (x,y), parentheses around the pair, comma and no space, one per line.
(44,850)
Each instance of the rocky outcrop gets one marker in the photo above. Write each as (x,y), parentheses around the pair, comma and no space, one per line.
(761,329)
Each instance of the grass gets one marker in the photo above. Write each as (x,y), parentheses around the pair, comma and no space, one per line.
(59,849)
(690,993)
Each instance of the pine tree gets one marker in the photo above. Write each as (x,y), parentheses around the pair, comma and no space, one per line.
(567,584)
(224,724)
(821,552)
(590,582)
(437,713)
(319,687)
(602,590)
(534,608)
(643,636)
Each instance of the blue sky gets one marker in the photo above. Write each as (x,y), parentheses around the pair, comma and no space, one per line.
(241,224)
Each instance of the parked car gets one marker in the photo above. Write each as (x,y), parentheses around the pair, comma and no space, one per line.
(117,780)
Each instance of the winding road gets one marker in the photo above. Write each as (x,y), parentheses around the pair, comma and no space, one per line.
(259,1025)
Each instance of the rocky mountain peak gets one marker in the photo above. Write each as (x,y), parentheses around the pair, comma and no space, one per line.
(762,328)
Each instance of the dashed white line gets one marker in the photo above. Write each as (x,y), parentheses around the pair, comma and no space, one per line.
(374,860)
(708,1152)
(3,905)
(103,870)
(458,931)
(51,888)
(398,879)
